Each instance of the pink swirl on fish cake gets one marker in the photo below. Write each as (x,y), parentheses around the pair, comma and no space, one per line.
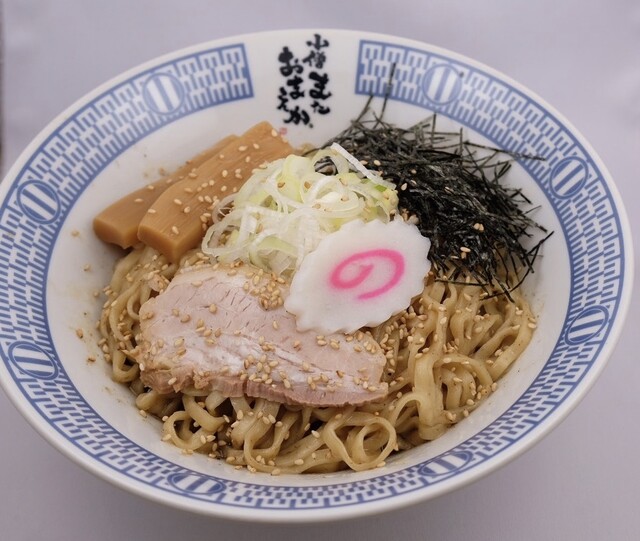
(396,258)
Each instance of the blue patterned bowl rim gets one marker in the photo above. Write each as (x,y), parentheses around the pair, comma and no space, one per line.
(41,189)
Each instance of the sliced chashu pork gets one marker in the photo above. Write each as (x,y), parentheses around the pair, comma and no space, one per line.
(224,329)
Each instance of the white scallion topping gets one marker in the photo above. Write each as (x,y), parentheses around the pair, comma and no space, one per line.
(283,211)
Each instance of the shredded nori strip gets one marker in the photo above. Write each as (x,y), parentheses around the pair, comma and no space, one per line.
(454,188)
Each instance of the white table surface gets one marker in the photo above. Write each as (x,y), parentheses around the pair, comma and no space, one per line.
(582,56)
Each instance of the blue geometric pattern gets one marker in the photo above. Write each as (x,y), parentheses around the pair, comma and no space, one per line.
(50,183)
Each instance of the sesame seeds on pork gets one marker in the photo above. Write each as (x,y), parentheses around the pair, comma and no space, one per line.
(225,329)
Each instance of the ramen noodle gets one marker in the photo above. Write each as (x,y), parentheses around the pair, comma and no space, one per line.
(445,354)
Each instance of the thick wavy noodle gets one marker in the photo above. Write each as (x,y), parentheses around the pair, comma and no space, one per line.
(444,356)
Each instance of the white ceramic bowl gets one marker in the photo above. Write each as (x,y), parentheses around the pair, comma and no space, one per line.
(161,113)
